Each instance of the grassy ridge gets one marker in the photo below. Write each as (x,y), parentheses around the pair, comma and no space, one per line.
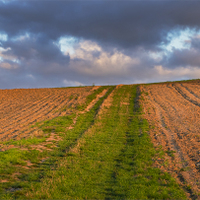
(134,177)
(92,96)
(13,160)
(84,172)
(113,160)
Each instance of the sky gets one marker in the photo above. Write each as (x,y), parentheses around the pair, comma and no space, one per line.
(97,42)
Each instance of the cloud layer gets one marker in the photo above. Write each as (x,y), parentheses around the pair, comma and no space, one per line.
(112,42)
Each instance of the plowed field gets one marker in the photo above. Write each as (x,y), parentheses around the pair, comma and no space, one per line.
(173,110)
(21,108)
(105,142)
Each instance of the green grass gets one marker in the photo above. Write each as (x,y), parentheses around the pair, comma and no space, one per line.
(13,160)
(178,81)
(134,176)
(113,159)
(92,96)
(57,124)
(102,157)
(25,142)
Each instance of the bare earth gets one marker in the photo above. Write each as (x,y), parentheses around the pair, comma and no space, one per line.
(173,110)
(21,108)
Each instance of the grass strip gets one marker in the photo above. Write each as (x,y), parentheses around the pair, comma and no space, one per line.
(134,177)
(112,161)
(92,96)
(83,173)
(13,160)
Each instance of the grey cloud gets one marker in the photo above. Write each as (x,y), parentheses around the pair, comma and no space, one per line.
(195,43)
(133,27)
(184,57)
(35,48)
(124,24)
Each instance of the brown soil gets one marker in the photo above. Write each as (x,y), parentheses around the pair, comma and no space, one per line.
(49,142)
(53,137)
(95,100)
(173,111)
(4,181)
(22,108)
(91,104)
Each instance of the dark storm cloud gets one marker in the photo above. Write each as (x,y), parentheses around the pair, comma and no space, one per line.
(195,43)
(32,61)
(184,57)
(37,47)
(133,27)
(125,24)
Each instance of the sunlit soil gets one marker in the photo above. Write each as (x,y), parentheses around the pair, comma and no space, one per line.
(21,108)
(173,110)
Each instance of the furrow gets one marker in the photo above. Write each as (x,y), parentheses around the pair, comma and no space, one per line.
(175,110)
(185,96)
